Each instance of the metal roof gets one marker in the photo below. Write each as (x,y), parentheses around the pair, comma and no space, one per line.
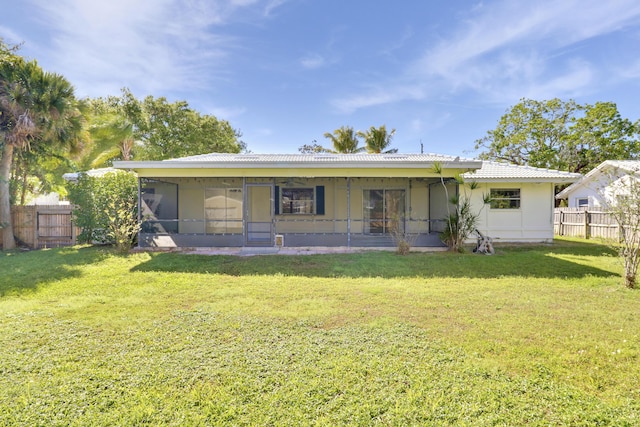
(96,173)
(481,170)
(496,171)
(627,166)
(351,161)
(318,158)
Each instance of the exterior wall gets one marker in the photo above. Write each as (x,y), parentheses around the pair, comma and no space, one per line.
(591,188)
(598,188)
(532,222)
(335,204)
(585,193)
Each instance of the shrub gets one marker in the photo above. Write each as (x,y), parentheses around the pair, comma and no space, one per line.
(106,209)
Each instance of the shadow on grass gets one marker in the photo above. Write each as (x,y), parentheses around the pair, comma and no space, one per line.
(521,261)
(26,271)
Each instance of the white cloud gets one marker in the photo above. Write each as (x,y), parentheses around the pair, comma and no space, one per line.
(507,50)
(151,45)
(145,44)
(10,37)
(273,5)
(378,96)
(512,25)
(313,61)
(226,113)
(631,71)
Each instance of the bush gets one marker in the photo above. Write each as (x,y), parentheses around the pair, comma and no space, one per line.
(106,209)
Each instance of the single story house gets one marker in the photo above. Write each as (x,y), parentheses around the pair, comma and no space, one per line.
(593,189)
(349,200)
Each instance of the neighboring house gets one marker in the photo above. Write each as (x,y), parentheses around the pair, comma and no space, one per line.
(596,186)
(49,199)
(96,173)
(351,200)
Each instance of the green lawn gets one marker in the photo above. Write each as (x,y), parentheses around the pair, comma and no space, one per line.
(536,335)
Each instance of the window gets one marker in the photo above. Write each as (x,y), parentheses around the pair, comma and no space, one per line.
(297,201)
(383,211)
(505,198)
(223,210)
(582,203)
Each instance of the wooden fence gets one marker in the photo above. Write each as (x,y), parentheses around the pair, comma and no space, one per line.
(43,226)
(578,222)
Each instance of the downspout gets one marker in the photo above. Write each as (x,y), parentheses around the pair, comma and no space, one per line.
(410,209)
(348,212)
(244,211)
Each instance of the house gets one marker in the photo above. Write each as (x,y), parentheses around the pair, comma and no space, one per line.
(591,191)
(348,200)
(96,173)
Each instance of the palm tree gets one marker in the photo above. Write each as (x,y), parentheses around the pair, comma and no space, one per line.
(377,140)
(345,140)
(37,109)
(111,138)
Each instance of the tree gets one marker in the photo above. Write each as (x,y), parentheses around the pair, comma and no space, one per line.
(377,139)
(124,128)
(560,135)
(38,111)
(344,140)
(37,171)
(111,135)
(600,134)
(313,148)
(170,130)
(622,200)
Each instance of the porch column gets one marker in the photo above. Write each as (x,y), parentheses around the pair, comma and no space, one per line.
(73,226)
(244,211)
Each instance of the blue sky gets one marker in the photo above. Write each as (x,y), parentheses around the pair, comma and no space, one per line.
(284,72)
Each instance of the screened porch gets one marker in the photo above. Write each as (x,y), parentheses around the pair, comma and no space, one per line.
(291,212)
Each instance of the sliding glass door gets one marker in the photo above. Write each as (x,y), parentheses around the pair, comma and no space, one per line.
(384,211)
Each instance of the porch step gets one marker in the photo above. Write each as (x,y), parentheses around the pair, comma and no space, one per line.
(259,250)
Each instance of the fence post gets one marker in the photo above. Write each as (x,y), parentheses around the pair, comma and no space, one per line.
(586,224)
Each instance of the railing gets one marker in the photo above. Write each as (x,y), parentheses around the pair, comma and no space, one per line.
(288,225)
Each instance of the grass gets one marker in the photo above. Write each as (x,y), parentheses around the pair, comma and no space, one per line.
(536,335)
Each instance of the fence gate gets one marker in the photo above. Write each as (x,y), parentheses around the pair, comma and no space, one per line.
(54,228)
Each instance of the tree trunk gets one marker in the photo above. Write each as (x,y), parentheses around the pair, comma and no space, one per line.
(630,280)
(23,176)
(8,240)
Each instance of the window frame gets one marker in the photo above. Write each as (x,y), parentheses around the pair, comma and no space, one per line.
(385,220)
(291,211)
(513,202)
(580,205)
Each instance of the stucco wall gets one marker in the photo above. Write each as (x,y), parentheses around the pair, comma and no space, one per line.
(532,222)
